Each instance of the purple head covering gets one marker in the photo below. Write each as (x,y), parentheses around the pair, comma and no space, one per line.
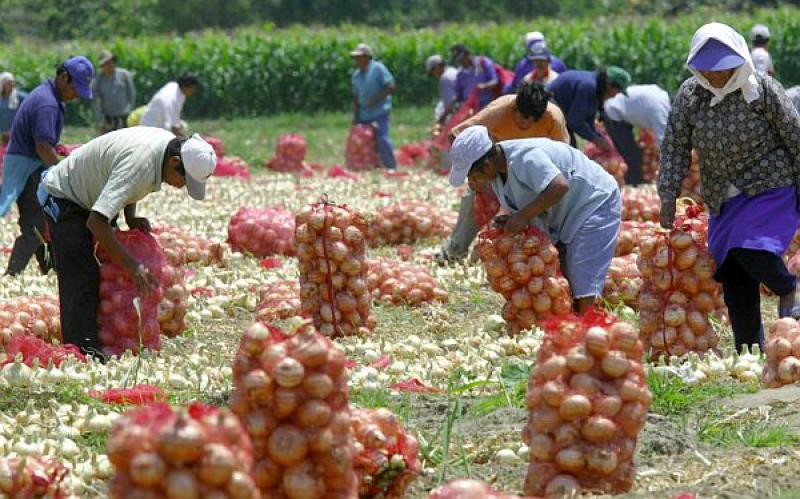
(716,56)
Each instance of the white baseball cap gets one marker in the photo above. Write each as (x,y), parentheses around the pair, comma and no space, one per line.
(432,62)
(533,36)
(759,31)
(199,161)
(470,146)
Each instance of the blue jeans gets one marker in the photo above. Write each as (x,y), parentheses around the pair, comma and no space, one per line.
(382,140)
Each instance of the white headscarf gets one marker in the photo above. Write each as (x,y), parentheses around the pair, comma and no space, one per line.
(13,97)
(743,77)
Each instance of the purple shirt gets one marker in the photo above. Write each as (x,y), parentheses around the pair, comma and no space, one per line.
(525,66)
(40,118)
(481,71)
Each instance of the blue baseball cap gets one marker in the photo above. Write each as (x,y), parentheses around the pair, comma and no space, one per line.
(81,71)
(715,56)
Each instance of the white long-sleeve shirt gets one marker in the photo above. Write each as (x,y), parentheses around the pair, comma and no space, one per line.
(164,109)
(645,106)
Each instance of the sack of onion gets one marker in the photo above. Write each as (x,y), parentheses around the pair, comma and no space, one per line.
(413,153)
(120,326)
(524,268)
(651,155)
(690,187)
(610,160)
(290,392)
(630,236)
(262,231)
(468,489)
(333,269)
(485,206)
(361,152)
(172,309)
(678,293)
(278,300)
(182,247)
(216,144)
(37,316)
(32,476)
(406,222)
(623,281)
(782,348)
(385,454)
(290,152)
(587,400)
(640,204)
(402,283)
(200,451)
(232,166)
(34,350)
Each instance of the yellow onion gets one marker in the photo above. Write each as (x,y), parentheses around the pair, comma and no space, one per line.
(602,461)
(598,429)
(217,465)
(287,445)
(147,469)
(570,459)
(575,407)
(181,484)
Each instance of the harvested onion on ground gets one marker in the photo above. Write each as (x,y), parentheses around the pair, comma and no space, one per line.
(32,476)
(406,222)
(37,316)
(402,283)
(468,489)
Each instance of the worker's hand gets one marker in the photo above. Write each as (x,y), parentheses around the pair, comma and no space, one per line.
(668,215)
(602,144)
(146,282)
(516,223)
(139,223)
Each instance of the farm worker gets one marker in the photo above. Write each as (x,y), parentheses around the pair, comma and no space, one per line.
(746,133)
(114,94)
(525,115)
(446,76)
(645,107)
(580,93)
(10,100)
(475,72)
(34,134)
(533,41)
(85,192)
(164,109)
(546,182)
(373,85)
(762,61)
(541,72)
(794,95)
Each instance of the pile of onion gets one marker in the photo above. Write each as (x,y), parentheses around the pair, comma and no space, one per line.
(37,316)
(232,166)
(782,348)
(690,187)
(290,392)
(678,289)
(117,319)
(406,222)
(361,152)
(623,281)
(262,231)
(333,270)
(32,476)
(467,489)
(34,350)
(172,309)
(610,160)
(200,451)
(385,454)
(524,269)
(413,153)
(402,283)
(278,300)
(640,204)
(182,247)
(651,155)
(587,400)
(290,153)
(630,236)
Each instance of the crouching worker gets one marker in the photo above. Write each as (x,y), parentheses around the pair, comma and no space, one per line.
(572,196)
(85,192)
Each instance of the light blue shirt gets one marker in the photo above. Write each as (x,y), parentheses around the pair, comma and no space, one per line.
(534,163)
(447,90)
(645,106)
(369,83)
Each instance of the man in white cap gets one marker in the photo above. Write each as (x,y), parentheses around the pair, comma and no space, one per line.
(82,197)
(373,85)
(447,76)
(534,44)
(548,183)
(762,61)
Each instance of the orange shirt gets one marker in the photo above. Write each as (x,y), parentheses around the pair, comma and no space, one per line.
(499,118)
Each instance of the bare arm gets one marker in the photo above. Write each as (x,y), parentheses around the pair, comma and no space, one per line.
(46,153)
(135,222)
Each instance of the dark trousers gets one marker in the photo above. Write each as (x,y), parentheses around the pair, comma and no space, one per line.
(621,134)
(741,274)
(78,277)
(111,123)
(30,242)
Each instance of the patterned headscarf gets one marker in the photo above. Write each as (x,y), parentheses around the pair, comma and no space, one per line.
(13,98)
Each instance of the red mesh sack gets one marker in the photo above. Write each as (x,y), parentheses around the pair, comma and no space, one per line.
(33,476)
(290,152)
(278,301)
(137,395)
(524,269)
(485,206)
(117,319)
(262,231)
(216,144)
(402,283)
(37,316)
(678,289)
(587,400)
(182,247)
(467,109)
(333,270)
(623,281)
(361,153)
(413,153)
(172,308)
(232,166)
(199,451)
(610,160)
(690,187)
(32,350)
(406,222)
(782,348)
(386,459)
(66,149)
(651,155)
(468,489)
(290,392)
(640,204)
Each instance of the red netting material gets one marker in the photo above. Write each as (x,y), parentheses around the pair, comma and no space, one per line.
(290,154)
(405,222)
(172,308)
(33,476)
(182,247)
(232,166)
(216,144)
(468,489)
(623,281)
(262,231)
(33,350)
(587,400)
(641,204)
(485,206)
(361,152)
(278,300)
(290,391)
(117,320)
(402,283)
(524,269)
(610,160)
(142,394)
(37,316)
(782,348)
(413,153)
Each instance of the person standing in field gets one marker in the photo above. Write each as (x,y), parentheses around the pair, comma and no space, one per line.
(35,132)
(525,115)
(541,72)
(534,41)
(645,107)
(114,94)
(82,194)
(10,100)
(475,73)
(372,86)
(762,61)
(446,76)
(164,109)
(746,133)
